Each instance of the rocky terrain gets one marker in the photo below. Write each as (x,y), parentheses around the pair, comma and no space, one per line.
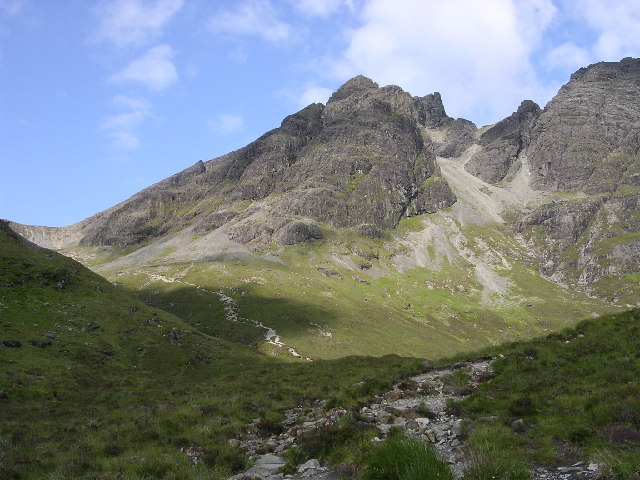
(564,179)
(419,406)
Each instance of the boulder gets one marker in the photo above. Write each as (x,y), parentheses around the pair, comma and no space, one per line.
(297,232)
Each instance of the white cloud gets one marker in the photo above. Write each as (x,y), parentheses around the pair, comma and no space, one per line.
(320,8)
(122,127)
(126,102)
(617,25)
(475,53)
(253,17)
(568,56)
(134,22)
(123,140)
(226,124)
(154,69)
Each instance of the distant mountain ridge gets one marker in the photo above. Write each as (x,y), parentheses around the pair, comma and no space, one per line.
(371,156)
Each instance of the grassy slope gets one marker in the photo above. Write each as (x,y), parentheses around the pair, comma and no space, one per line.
(113,396)
(572,391)
(367,305)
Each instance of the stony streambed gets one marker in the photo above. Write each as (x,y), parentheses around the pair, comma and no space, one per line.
(418,406)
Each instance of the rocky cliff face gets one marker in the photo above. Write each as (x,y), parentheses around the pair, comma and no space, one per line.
(587,141)
(361,159)
(367,158)
(584,128)
(503,143)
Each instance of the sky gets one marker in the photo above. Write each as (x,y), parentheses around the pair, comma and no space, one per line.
(100,99)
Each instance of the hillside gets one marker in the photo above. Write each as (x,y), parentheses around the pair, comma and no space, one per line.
(378,224)
(96,384)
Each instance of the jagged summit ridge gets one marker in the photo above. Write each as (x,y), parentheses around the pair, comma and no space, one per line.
(369,157)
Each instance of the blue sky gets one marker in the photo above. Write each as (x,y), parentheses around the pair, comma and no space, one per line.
(99,99)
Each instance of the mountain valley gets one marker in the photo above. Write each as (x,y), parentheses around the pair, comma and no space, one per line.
(323,261)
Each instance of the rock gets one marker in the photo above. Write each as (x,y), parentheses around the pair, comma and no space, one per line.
(297,232)
(517,425)
(368,230)
(459,135)
(412,425)
(503,143)
(404,412)
(4,395)
(12,344)
(589,118)
(392,396)
(327,272)
(620,434)
(383,417)
(247,232)
(426,366)
(40,343)
(347,470)
(265,466)
(311,464)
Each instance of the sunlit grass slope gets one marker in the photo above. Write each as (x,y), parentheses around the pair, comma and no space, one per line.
(347,294)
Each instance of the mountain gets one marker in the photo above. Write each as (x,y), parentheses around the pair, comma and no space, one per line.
(379,213)
(375,224)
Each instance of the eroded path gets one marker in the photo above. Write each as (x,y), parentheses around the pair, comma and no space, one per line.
(231,312)
(418,406)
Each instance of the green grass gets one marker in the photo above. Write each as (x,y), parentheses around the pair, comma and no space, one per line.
(367,305)
(401,458)
(122,387)
(567,389)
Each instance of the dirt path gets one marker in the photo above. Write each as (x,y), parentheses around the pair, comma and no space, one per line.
(230,306)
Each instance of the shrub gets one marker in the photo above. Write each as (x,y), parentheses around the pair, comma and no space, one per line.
(490,466)
(457,378)
(401,458)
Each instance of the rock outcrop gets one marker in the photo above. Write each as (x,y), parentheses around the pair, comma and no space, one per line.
(582,128)
(503,143)
(362,158)
(587,141)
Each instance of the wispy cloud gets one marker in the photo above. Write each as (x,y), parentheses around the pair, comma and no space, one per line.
(122,127)
(616,25)
(253,17)
(154,69)
(226,124)
(12,7)
(321,8)
(134,22)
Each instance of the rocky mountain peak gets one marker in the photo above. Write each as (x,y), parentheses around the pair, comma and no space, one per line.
(431,113)
(606,71)
(595,114)
(357,85)
(503,144)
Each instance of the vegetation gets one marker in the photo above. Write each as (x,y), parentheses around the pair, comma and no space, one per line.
(401,458)
(350,287)
(574,394)
(96,384)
